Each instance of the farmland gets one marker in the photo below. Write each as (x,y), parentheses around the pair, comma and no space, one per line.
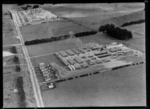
(121,87)
(10,41)
(10,96)
(13,49)
(14,67)
(48,48)
(51,29)
(118,18)
(9,29)
(9,60)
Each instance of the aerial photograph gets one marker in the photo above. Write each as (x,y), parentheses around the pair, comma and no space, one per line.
(74,55)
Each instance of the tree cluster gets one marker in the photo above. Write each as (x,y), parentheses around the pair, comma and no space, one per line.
(29,6)
(26,7)
(133,22)
(21,93)
(16,60)
(45,40)
(17,68)
(115,32)
(13,50)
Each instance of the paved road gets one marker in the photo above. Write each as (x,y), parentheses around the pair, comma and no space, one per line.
(34,80)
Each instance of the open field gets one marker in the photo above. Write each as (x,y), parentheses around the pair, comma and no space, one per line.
(82,10)
(51,29)
(101,38)
(30,100)
(140,15)
(9,29)
(46,59)
(47,48)
(96,21)
(18,49)
(11,98)
(70,11)
(122,87)
(10,41)
(138,40)
(9,60)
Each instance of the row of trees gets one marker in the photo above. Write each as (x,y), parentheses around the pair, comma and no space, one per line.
(29,7)
(133,22)
(87,33)
(115,32)
(21,93)
(38,41)
(45,40)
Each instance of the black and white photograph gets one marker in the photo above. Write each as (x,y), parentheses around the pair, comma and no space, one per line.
(74,55)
